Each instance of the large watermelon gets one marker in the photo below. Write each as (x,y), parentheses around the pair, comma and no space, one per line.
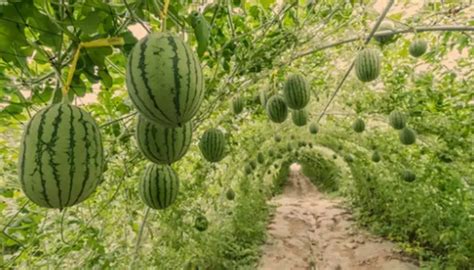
(296,92)
(163,145)
(407,136)
(61,156)
(159,186)
(237,105)
(418,47)
(212,145)
(367,65)
(164,79)
(358,125)
(277,109)
(299,117)
(397,120)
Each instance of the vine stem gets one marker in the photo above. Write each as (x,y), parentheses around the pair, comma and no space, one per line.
(417,29)
(140,233)
(164,14)
(367,40)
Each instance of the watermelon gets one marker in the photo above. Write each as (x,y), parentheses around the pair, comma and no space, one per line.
(408,175)
(163,145)
(277,138)
(397,120)
(289,147)
(384,39)
(276,109)
(349,158)
(376,156)
(212,145)
(271,153)
(260,158)
(299,117)
(201,223)
(358,125)
(418,47)
(230,194)
(407,136)
(367,65)
(296,92)
(253,164)
(159,186)
(61,156)
(237,105)
(164,79)
(313,128)
(248,169)
(334,156)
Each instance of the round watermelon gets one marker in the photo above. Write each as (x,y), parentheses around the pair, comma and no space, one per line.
(358,125)
(299,117)
(386,38)
(407,136)
(61,156)
(212,145)
(408,175)
(164,79)
(277,138)
(201,223)
(163,145)
(277,109)
(159,186)
(376,156)
(397,120)
(296,92)
(230,194)
(418,47)
(313,128)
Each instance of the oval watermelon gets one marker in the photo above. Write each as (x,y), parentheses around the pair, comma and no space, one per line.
(159,186)
(367,65)
(237,105)
(313,128)
(407,136)
(212,145)
(418,47)
(164,79)
(358,125)
(277,109)
(296,92)
(299,117)
(397,120)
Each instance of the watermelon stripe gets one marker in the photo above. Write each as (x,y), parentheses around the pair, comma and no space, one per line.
(52,154)
(70,153)
(23,155)
(142,68)
(87,147)
(39,155)
(177,82)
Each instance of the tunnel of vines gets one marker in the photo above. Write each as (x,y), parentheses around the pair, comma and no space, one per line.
(140,134)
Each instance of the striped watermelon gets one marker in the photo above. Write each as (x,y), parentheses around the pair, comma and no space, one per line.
(237,105)
(164,79)
(299,117)
(408,175)
(163,145)
(61,156)
(397,120)
(358,125)
(313,128)
(367,65)
(407,136)
(296,92)
(418,47)
(277,110)
(159,186)
(260,158)
(201,223)
(376,156)
(212,145)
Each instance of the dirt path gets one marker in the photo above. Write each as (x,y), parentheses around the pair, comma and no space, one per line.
(311,231)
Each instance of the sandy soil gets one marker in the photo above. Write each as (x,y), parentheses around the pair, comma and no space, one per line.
(311,231)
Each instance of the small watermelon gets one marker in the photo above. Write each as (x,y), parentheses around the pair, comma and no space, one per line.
(407,136)
(358,125)
(230,194)
(248,169)
(277,109)
(418,47)
(313,128)
(386,38)
(253,164)
(260,158)
(296,92)
(397,120)
(159,186)
(408,175)
(376,156)
(277,138)
(299,117)
(212,145)
(201,223)
(237,105)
